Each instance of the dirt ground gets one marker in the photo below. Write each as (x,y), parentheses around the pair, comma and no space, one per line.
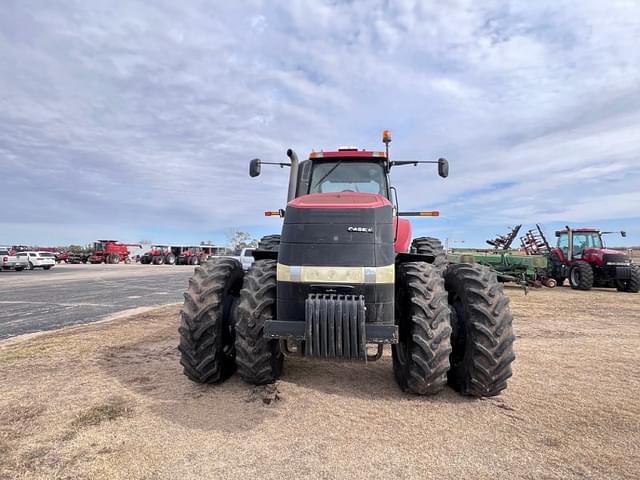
(109,401)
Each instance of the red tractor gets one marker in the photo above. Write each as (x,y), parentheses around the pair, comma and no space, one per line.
(159,255)
(110,251)
(343,280)
(580,256)
(192,255)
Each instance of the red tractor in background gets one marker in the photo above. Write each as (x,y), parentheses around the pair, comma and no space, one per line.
(159,255)
(192,256)
(580,256)
(110,251)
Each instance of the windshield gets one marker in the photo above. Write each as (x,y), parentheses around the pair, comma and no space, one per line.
(582,240)
(348,176)
(99,247)
(46,255)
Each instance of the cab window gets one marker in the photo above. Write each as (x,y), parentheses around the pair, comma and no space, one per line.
(348,176)
(563,243)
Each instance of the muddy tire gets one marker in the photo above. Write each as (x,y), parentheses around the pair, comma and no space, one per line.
(421,358)
(633,284)
(207,339)
(431,246)
(270,243)
(482,333)
(581,276)
(259,360)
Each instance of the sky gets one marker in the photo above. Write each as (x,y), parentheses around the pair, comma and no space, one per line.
(136,120)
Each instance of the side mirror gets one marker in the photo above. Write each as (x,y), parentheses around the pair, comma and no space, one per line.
(623,233)
(254,167)
(443,167)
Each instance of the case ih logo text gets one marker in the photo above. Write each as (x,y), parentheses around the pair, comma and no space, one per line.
(360,229)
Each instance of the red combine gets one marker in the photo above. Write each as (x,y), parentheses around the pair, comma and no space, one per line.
(110,251)
(580,256)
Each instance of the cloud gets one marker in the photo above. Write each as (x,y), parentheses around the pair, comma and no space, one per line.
(139,118)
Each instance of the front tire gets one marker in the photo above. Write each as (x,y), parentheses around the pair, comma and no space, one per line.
(30,267)
(170,259)
(421,358)
(633,284)
(581,276)
(482,333)
(259,360)
(207,327)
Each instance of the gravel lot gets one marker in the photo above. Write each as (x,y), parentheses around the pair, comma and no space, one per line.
(109,400)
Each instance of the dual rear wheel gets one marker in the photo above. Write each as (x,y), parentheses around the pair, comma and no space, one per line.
(455,330)
(222,323)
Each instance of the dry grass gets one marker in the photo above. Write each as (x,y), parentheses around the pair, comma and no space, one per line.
(110,401)
(112,409)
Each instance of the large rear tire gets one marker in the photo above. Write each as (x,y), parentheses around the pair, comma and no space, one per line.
(170,259)
(159,260)
(431,246)
(259,360)
(421,358)
(270,243)
(482,333)
(633,284)
(581,276)
(207,338)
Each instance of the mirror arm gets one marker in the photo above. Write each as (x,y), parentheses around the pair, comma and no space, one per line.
(275,163)
(410,162)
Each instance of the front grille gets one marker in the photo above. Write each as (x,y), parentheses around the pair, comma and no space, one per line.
(335,326)
(615,259)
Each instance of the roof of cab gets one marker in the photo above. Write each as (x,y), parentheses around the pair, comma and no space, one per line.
(346,154)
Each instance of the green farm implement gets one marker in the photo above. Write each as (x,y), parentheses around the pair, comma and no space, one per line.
(527,268)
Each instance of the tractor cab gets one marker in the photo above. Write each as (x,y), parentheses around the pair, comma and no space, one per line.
(344,170)
(574,244)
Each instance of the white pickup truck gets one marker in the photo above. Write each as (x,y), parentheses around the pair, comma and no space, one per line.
(9,262)
(245,257)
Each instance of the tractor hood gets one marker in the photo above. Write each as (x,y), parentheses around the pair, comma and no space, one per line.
(603,251)
(340,200)
(337,243)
